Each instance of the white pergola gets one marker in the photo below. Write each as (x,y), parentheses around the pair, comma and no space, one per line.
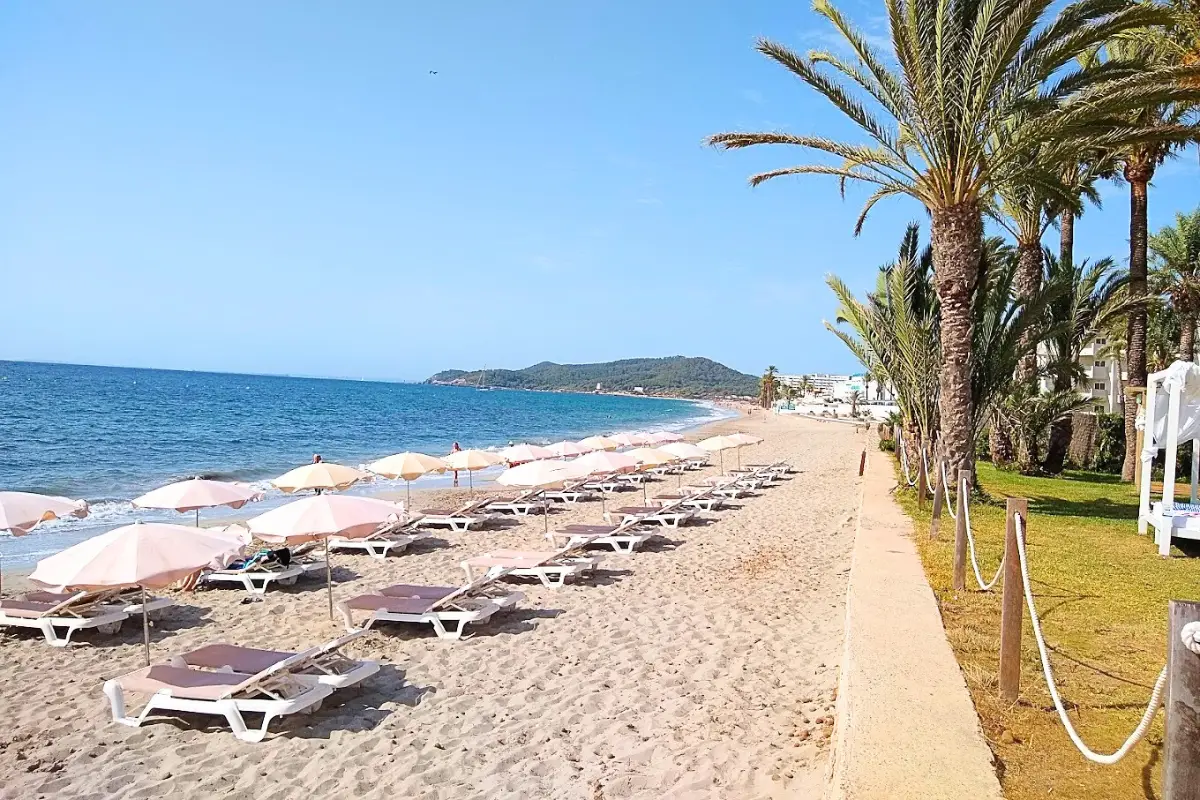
(1172,418)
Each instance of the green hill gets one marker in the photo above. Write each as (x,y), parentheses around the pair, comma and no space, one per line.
(677,376)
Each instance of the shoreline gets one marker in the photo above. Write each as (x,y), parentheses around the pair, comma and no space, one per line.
(117,512)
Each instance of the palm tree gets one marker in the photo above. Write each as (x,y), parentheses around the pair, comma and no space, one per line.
(1030,415)
(977,86)
(768,387)
(894,334)
(1172,119)
(855,398)
(867,378)
(1086,306)
(1175,272)
(1080,175)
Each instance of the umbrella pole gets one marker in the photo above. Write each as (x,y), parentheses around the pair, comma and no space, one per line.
(197,518)
(329,577)
(721,455)
(644,498)
(145,626)
(408,496)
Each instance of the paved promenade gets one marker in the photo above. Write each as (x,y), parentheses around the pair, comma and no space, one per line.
(906,727)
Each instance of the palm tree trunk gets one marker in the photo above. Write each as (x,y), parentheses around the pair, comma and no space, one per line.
(1060,436)
(1187,337)
(1029,280)
(1066,237)
(1000,443)
(957,238)
(1138,173)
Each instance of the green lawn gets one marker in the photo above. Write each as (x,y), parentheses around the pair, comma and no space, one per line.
(1102,593)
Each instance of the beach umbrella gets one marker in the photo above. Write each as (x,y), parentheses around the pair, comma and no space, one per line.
(599,443)
(471,460)
(650,457)
(538,475)
(635,439)
(744,439)
(198,493)
(524,453)
(409,467)
(146,555)
(21,512)
(566,449)
(322,516)
(320,477)
(601,462)
(719,444)
(684,450)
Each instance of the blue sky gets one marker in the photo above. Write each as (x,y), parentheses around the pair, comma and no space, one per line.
(284,187)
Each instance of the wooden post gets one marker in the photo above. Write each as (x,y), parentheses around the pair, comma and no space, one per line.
(922,484)
(939,494)
(1181,754)
(862,463)
(960,532)
(1012,603)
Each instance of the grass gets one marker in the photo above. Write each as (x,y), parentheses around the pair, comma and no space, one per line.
(1101,592)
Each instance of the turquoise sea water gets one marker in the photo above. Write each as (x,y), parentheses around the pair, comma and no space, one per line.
(109,434)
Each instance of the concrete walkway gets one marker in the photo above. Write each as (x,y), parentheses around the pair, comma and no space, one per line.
(906,727)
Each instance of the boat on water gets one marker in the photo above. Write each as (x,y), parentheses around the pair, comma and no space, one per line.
(479,387)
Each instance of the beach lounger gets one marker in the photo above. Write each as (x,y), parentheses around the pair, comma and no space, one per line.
(631,478)
(465,517)
(522,505)
(79,611)
(668,516)
(255,579)
(552,568)
(326,661)
(723,487)
(703,501)
(448,609)
(273,692)
(623,538)
(570,494)
(391,537)
(128,600)
(695,463)
(608,484)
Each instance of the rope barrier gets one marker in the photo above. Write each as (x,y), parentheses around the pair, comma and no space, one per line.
(946,489)
(987,587)
(1191,639)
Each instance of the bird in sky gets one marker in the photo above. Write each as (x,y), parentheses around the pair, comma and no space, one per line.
(433,72)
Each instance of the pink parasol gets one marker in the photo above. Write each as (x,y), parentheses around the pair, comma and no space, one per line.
(322,516)
(198,493)
(145,554)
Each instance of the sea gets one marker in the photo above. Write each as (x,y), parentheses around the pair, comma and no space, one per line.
(109,434)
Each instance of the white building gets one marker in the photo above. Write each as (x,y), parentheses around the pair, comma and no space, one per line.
(1102,376)
(837,387)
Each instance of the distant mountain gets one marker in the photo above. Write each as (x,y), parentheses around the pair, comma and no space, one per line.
(677,376)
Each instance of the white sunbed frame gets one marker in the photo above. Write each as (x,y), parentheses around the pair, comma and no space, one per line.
(552,573)
(447,623)
(105,619)
(257,581)
(273,683)
(669,517)
(624,542)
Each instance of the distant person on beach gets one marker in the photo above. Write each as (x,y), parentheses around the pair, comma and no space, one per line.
(454,449)
(316,458)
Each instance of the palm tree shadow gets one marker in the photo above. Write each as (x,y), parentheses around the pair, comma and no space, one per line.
(1102,508)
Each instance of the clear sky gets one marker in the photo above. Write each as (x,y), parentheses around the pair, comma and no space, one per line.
(285,187)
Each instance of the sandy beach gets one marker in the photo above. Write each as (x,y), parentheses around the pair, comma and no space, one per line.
(703,666)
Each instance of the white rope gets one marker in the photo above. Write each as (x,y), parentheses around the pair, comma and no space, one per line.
(946,490)
(1155,696)
(987,587)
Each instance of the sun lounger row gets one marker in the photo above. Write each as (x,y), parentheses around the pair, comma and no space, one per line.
(60,615)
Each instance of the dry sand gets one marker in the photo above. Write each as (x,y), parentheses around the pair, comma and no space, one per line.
(703,666)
